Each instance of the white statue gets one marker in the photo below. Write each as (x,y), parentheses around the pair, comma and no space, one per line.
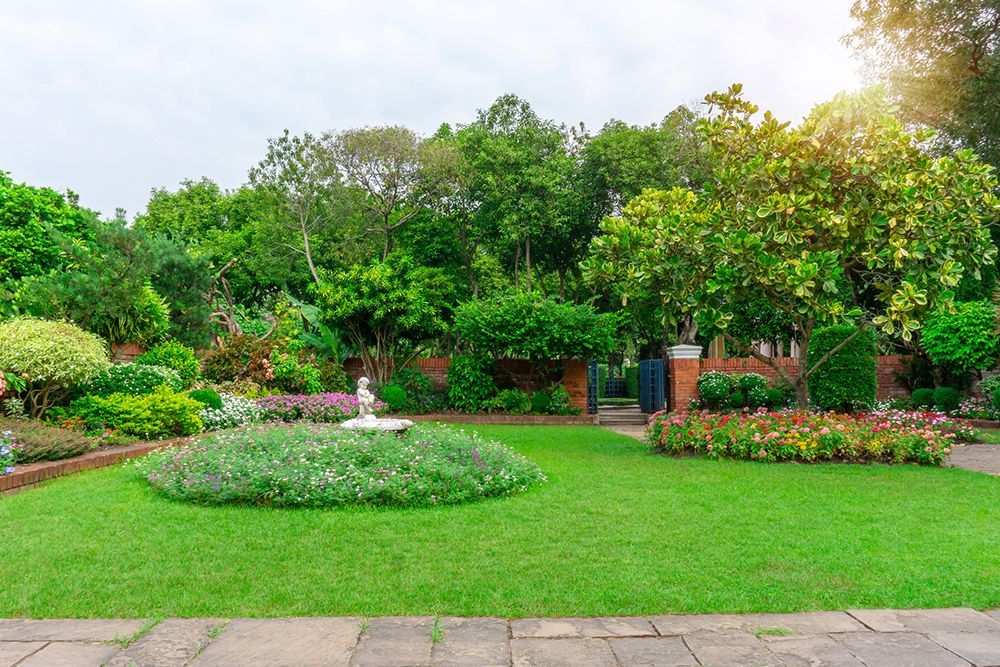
(366,400)
(366,418)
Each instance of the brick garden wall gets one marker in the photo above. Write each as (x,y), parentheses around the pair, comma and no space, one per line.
(888,366)
(518,371)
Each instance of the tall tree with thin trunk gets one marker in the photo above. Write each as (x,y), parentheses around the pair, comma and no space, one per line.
(302,177)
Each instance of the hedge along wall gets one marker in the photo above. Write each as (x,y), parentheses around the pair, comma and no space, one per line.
(888,366)
(574,376)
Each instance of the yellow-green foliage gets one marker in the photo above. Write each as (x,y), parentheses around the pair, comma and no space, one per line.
(160,414)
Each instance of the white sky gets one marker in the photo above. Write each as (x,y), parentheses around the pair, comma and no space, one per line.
(112,99)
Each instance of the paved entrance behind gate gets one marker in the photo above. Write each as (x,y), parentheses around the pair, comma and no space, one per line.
(931,637)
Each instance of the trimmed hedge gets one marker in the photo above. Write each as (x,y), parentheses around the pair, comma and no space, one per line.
(848,380)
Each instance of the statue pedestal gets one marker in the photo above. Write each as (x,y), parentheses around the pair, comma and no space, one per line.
(373,423)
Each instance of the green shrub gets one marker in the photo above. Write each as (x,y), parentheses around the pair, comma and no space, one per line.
(333,377)
(420,391)
(294,374)
(160,414)
(848,380)
(989,385)
(395,397)
(632,382)
(995,398)
(747,382)
(922,398)
(207,397)
(540,403)
(713,387)
(51,357)
(757,397)
(241,358)
(511,402)
(737,400)
(177,356)
(133,379)
(964,340)
(561,402)
(470,382)
(602,380)
(946,399)
(775,398)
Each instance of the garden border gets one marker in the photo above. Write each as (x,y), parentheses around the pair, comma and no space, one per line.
(32,474)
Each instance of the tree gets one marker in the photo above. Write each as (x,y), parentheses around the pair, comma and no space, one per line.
(844,219)
(941,59)
(963,339)
(28,216)
(302,178)
(519,178)
(387,309)
(395,173)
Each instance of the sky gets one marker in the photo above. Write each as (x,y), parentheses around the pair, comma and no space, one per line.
(112,99)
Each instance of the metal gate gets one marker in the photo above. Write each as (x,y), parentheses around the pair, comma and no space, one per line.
(651,385)
(592,393)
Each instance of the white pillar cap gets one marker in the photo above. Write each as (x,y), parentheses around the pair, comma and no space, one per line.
(684,352)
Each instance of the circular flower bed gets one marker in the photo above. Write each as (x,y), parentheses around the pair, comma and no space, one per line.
(317,465)
(893,436)
(328,407)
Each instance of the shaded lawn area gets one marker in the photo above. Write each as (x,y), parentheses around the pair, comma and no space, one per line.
(989,436)
(616,530)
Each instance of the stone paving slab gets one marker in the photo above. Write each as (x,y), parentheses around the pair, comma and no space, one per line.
(810,651)
(807,622)
(730,648)
(471,642)
(283,642)
(552,628)
(70,654)
(70,629)
(174,641)
(402,641)
(13,652)
(956,619)
(533,652)
(898,649)
(652,652)
(979,648)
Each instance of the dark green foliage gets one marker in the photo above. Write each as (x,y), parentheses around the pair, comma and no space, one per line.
(540,403)
(713,388)
(177,356)
(946,399)
(511,402)
(964,340)
(602,380)
(757,397)
(848,380)
(995,398)
(562,402)
(470,382)
(747,382)
(922,398)
(776,398)
(529,326)
(333,377)
(395,397)
(737,400)
(632,381)
(422,395)
(208,397)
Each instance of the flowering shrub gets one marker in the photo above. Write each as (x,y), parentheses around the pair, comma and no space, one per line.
(329,407)
(38,441)
(235,411)
(895,435)
(8,452)
(133,379)
(176,356)
(312,465)
(975,408)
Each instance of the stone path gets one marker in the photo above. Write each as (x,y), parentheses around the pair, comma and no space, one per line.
(983,458)
(858,638)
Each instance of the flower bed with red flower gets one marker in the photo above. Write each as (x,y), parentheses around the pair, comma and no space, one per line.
(895,436)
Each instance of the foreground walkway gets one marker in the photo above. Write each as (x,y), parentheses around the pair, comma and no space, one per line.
(931,637)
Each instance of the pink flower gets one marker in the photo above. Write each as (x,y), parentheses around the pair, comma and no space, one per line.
(824,431)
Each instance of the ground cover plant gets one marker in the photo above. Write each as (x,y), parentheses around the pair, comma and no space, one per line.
(615,530)
(892,436)
(313,465)
(327,407)
(31,441)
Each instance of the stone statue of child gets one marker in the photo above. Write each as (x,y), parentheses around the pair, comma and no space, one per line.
(366,400)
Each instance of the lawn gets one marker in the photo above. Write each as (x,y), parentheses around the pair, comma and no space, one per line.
(616,530)
(990,436)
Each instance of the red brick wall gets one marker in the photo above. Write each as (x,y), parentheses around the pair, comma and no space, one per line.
(888,366)
(574,376)
(126,352)
(682,374)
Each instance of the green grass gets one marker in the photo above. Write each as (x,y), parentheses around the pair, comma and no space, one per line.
(616,530)
(991,436)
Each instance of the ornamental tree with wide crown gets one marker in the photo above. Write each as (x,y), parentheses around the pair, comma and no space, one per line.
(845,218)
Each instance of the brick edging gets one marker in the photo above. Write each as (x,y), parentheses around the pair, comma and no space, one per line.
(983,423)
(525,420)
(35,473)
